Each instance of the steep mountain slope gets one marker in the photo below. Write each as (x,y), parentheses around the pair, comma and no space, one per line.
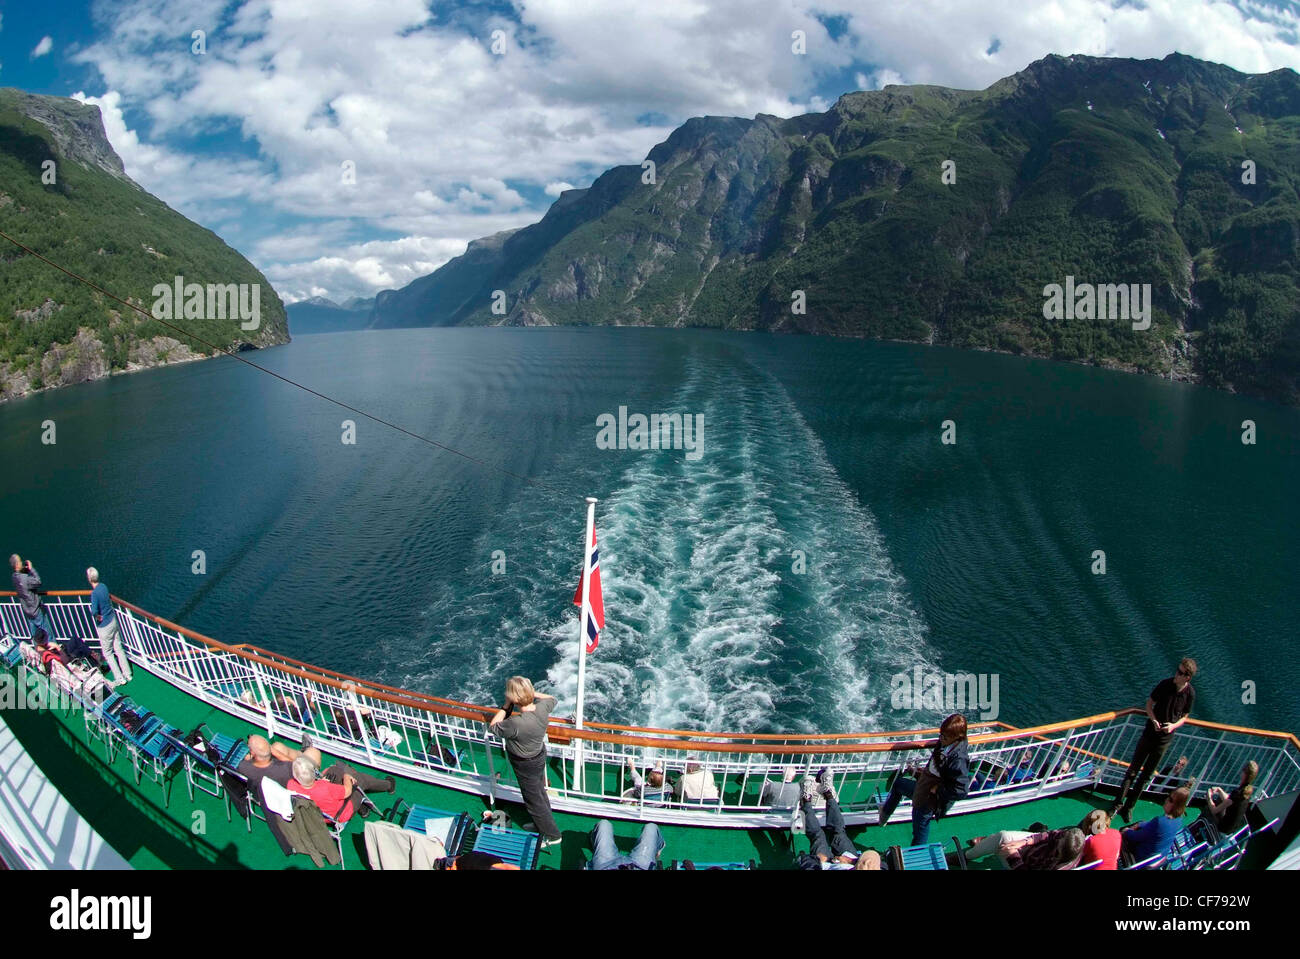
(63,193)
(432,300)
(1108,171)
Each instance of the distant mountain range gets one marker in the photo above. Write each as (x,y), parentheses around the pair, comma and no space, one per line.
(64,194)
(943,216)
(319,315)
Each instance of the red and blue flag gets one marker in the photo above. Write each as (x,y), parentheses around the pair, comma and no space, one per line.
(595,602)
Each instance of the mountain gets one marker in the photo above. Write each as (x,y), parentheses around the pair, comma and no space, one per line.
(64,194)
(1107,171)
(319,315)
(432,300)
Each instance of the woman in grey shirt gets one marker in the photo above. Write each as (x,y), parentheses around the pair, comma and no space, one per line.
(522,724)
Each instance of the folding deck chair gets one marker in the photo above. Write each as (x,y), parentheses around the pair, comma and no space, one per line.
(1151,862)
(452,829)
(1186,851)
(690,864)
(208,759)
(155,753)
(9,651)
(514,846)
(927,857)
(279,801)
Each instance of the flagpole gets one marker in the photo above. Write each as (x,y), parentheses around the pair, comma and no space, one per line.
(582,639)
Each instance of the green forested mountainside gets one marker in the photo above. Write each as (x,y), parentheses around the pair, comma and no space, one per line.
(96,222)
(1107,170)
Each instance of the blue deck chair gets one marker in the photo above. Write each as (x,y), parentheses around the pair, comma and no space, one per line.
(1186,851)
(1151,862)
(93,719)
(110,727)
(203,770)
(452,829)
(700,866)
(11,653)
(927,857)
(514,846)
(157,756)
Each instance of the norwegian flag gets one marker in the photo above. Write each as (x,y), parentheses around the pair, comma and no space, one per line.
(595,602)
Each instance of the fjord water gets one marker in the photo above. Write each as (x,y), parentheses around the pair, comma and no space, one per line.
(377,558)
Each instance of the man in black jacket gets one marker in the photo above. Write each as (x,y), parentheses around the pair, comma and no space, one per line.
(1168,707)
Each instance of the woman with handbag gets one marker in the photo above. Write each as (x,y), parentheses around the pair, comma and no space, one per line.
(942,782)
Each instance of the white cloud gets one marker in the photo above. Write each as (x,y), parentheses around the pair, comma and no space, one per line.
(883,78)
(361,269)
(946,42)
(443,133)
(44,47)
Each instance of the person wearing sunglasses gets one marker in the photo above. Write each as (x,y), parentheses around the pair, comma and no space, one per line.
(1168,707)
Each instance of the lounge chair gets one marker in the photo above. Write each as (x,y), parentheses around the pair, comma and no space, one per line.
(514,846)
(927,857)
(692,865)
(452,829)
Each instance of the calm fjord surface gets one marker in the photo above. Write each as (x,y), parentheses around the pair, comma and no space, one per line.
(377,559)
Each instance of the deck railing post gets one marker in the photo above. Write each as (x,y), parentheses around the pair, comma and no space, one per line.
(264,699)
(1205,766)
(492,771)
(1046,773)
(361,725)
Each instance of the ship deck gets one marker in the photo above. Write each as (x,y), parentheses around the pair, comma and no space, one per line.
(149,834)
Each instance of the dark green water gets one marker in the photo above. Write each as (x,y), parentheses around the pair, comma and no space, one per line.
(376,559)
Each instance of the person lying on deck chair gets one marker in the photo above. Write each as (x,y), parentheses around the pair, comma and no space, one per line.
(605,854)
(48,651)
(1036,850)
(338,801)
(72,648)
(298,708)
(271,760)
(339,773)
(837,852)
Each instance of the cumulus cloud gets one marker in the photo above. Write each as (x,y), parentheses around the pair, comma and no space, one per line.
(44,47)
(445,138)
(361,269)
(883,78)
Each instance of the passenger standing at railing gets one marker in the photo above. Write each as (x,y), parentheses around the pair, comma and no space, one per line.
(1168,707)
(941,783)
(522,724)
(110,638)
(27,584)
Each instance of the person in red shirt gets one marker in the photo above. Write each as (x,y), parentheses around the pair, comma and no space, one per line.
(334,800)
(1102,842)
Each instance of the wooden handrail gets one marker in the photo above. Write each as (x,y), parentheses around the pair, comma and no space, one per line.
(647,736)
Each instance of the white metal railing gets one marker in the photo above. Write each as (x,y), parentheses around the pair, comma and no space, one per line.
(447,743)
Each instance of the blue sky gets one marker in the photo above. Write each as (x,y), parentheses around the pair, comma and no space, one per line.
(452,139)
